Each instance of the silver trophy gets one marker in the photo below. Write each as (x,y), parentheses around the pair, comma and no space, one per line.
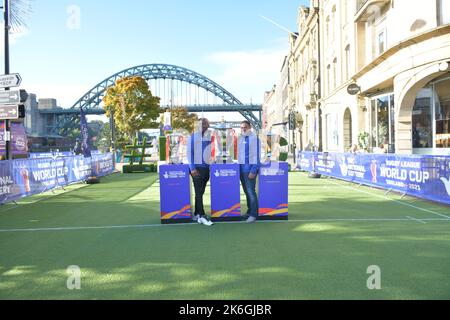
(176,148)
(225,143)
(271,147)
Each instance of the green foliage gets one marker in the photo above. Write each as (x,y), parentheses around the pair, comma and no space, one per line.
(363,140)
(182,119)
(137,151)
(135,168)
(283,142)
(283,156)
(162,148)
(70,127)
(104,139)
(132,105)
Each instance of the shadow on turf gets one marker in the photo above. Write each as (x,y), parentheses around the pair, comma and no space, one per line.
(229,263)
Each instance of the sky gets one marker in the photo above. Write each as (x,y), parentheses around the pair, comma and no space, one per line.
(70,46)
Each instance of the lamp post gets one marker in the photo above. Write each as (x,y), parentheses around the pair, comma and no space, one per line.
(300,124)
(7,134)
(6,30)
(113,137)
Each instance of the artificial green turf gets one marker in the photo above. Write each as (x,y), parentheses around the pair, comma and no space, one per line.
(313,256)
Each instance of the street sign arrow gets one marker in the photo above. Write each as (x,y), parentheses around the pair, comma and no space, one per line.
(10,80)
(13,97)
(9,112)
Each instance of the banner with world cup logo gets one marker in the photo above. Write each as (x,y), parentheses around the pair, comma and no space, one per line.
(421,176)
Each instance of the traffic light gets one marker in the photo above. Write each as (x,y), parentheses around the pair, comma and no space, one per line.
(292,122)
(21,110)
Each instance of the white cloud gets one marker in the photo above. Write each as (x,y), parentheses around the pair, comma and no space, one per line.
(248,74)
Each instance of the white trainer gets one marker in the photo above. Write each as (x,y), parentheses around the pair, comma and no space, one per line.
(195,218)
(206,222)
(251,220)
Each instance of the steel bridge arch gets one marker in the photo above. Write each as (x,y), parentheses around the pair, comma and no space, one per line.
(94,96)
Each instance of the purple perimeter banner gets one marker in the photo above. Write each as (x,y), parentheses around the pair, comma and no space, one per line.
(21,178)
(19,140)
(425,177)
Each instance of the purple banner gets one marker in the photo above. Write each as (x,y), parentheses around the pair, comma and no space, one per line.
(273,190)
(6,182)
(175,193)
(425,177)
(21,178)
(19,140)
(84,134)
(102,164)
(225,192)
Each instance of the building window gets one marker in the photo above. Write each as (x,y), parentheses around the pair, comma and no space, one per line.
(422,123)
(381,42)
(348,134)
(344,12)
(327,28)
(334,24)
(444,11)
(442,105)
(431,117)
(334,73)
(383,124)
(347,62)
(332,132)
(314,42)
(391,148)
(329,79)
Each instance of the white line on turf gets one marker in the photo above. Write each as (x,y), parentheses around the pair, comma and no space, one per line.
(387,198)
(195,224)
(415,219)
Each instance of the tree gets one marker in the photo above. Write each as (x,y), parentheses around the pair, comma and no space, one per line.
(20,10)
(132,105)
(182,119)
(95,128)
(104,139)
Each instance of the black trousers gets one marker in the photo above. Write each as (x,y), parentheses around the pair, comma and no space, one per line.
(200,183)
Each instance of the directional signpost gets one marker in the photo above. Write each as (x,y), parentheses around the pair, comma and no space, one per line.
(10,80)
(11,103)
(13,97)
(8,112)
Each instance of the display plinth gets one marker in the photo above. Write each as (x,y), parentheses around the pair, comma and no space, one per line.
(225,192)
(175,194)
(273,191)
